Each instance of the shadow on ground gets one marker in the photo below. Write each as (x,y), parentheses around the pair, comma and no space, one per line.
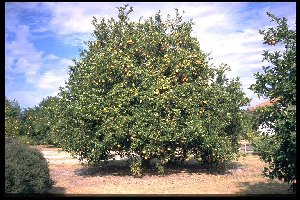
(267,188)
(54,191)
(122,168)
(57,190)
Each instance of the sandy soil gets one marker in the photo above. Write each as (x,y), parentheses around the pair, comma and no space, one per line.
(242,177)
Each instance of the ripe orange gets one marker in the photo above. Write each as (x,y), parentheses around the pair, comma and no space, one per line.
(129,42)
(184,79)
(272,42)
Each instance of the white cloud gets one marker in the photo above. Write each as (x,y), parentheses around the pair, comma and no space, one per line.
(30,74)
(21,56)
(51,57)
(46,82)
(240,50)
(71,22)
(50,80)
(54,77)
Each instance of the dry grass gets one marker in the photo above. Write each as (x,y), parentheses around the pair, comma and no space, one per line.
(243,176)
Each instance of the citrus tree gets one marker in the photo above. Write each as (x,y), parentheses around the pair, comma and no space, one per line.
(37,122)
(12,118)
(145,90)
(278,81)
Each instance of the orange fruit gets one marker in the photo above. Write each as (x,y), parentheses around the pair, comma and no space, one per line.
(129,42)
(272,42)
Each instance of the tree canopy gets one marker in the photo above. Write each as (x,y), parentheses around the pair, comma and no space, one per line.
(278,81)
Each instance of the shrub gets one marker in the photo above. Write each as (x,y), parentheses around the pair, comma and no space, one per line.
(26,170)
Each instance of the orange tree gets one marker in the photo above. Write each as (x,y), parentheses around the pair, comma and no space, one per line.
(37,122)
(145,90)
(12,118)
(278,82)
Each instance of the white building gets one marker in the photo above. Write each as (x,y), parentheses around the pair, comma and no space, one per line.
(264,128)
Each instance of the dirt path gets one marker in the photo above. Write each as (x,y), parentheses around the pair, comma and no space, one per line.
(243,177)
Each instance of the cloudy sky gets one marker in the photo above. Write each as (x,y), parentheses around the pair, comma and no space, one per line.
(41,39)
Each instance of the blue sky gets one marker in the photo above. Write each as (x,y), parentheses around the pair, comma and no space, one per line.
(41,39)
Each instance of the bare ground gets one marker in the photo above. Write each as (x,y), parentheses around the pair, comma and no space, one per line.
(243,176)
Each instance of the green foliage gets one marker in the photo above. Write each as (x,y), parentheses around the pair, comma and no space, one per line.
(136,166)
(26,170)
(12,118)
(278,81)
(37,122)
(145,90)
(31,125)
(249,129)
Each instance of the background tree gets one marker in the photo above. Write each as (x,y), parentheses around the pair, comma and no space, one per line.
(278,82)
(37,122)
(12,118)
(145,90)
